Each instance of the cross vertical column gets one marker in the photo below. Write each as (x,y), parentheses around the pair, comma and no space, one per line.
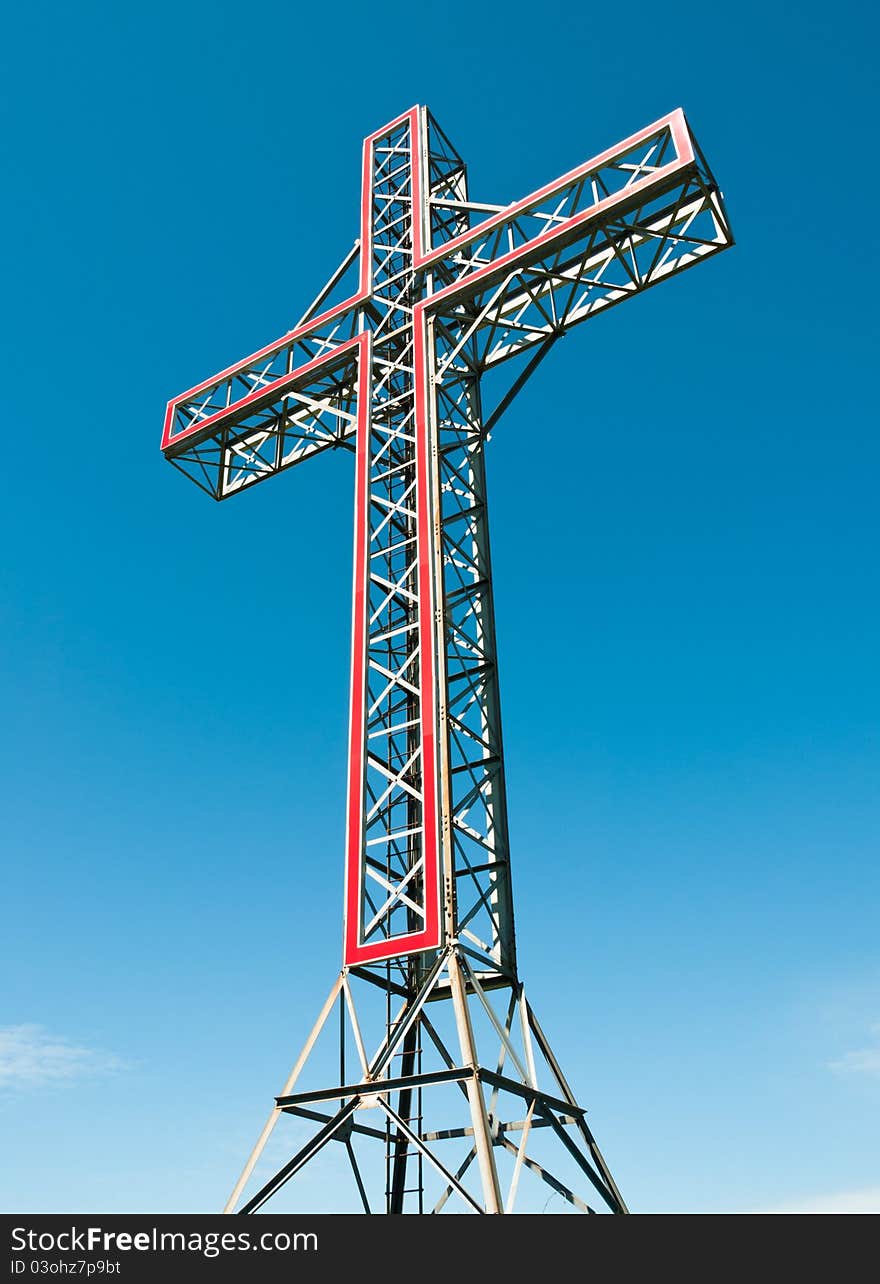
(392,876)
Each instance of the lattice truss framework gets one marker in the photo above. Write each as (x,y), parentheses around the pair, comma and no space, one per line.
(444,291)
(525,1142)
(477,285)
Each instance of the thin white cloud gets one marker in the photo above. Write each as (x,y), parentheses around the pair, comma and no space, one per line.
(860,1061)
(864,1061)
(847,1201)
(30,1056)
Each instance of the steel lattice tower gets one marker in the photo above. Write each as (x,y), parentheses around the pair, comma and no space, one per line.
(463,1094)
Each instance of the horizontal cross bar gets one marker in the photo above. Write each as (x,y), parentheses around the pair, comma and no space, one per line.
(378,1087)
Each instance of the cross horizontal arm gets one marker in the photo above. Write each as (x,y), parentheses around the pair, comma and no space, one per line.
(608,230)
(648,161)
(315,407)
(193,413)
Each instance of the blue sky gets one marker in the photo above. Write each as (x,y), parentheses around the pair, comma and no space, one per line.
(180,179)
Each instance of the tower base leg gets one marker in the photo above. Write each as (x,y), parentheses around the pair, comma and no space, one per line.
(463,1098)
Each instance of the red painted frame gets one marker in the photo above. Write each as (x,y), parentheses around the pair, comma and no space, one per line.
(355,951)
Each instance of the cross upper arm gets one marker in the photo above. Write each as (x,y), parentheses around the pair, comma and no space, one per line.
(226,444)
(609,229)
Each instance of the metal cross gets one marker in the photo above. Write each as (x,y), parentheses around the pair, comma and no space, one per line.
(452,301)
(447,290)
